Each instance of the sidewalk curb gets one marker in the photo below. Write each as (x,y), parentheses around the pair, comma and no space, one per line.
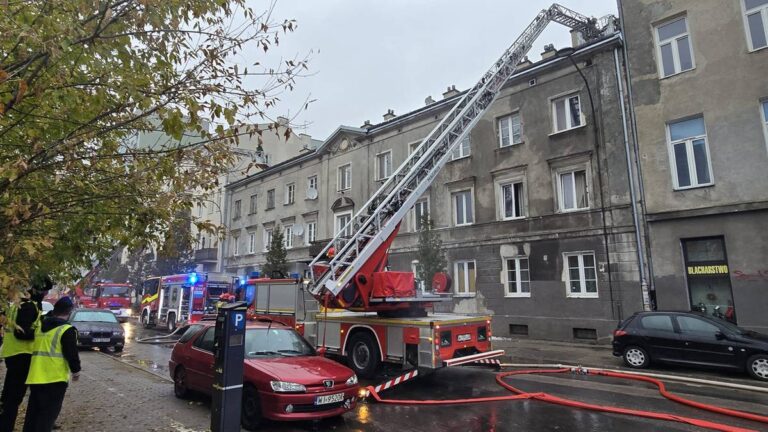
(118,359)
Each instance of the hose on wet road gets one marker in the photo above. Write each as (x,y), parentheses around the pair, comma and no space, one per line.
(545,397)
(164,339)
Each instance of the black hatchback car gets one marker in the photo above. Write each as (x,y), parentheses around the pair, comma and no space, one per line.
(690,338)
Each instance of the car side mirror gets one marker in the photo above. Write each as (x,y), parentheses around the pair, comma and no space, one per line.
(720,336)
(321,351)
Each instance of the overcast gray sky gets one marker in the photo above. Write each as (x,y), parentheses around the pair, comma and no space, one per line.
(374,55)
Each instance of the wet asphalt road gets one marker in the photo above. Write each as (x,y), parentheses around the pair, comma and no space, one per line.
(528,415)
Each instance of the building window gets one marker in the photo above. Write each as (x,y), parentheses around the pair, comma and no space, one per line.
(383,165)
(235,245)
(462,208)
(252,242)
(199,210)
(462,149)
(420,209)
(709,277)
(572,190)
(236,210)
(267,239)
(413,146)
(689,154)
(420,284)
(674,47)
(510,130)
(290,193)
(253,205)
(518,279)
(311,232)
(342,219)
(582,276)
(566,113)
(312,187)
(270,199)
(756,17)
(344,180)
(288,236)
(512,200)
(764,111)
(464,277)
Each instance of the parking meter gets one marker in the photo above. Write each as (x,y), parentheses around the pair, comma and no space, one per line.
(229,355)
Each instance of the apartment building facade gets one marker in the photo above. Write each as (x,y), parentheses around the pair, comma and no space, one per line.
(534,208)
(700,94)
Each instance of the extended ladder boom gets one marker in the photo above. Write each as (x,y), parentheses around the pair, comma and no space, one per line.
(378,219)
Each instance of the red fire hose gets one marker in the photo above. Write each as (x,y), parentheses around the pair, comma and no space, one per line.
(545,397)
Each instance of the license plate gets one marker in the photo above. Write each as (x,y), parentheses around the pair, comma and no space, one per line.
(97,340)
(464,337)
(329,399)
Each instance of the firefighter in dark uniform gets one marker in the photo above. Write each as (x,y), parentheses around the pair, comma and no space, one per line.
(22,319)
(54,359)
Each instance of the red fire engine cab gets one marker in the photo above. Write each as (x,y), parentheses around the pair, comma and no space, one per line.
(170,300)
(108,295)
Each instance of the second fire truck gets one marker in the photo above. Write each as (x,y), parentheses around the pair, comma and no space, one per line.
(170,300)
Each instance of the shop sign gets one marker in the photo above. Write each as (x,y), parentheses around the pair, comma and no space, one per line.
(707,270)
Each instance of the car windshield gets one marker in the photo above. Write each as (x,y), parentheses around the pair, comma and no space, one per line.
(94,316)
(729,326)
(263,342)
(115,291)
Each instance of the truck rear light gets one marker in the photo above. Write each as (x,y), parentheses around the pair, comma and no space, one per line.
(617,333)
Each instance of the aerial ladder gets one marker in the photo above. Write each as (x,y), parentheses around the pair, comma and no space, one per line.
(346,280)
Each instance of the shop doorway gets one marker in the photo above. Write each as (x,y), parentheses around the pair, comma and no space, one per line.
(708,275)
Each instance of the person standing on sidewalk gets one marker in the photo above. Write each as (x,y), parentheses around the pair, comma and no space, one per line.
(22,319)
(54,358)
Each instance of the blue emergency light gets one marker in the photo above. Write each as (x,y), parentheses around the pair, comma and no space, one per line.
(193,278)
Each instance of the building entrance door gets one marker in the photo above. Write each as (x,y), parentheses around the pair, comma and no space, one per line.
(709,282)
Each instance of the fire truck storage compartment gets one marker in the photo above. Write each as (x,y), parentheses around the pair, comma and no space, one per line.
(284,301)
(393,284)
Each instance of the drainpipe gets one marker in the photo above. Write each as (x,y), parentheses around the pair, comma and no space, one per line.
(635,214)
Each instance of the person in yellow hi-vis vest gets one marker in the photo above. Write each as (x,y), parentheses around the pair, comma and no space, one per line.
(22,318)
(54,358)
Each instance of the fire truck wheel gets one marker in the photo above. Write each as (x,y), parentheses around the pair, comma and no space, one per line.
(363,355)
(171,326)
(145,319)
(251,413)
(180,388)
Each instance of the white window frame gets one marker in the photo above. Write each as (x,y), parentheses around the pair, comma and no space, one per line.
(267,238)
(290,193)
(311,232)
(312,184)
(675,51)
(582,277)
(237,210)
(272,193)
(567,106)
(459,149)
(235,245)
(253,205)
(388,168)
(508,120)
(414,216)
(764,117)
(571,169)
(340,179)
(466,281)
(518,281)
(336,227)
(689,154)
(454,208)
(412,146)
(500,198)
(763,10)
(252,242)
(288,236)
(419,283)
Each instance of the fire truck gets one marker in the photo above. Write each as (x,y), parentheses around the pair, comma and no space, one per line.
(171,300)
(108,295)
(385,317)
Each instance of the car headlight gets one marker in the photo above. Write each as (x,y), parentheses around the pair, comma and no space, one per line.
(282,386)
(84,333)
(352,380)
(119,332)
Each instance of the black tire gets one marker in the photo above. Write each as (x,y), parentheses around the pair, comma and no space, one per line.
(251,417)
(757,367)
(636,357)
(363,354)
(180,384)
(118,348)
(171,323)
(145,319)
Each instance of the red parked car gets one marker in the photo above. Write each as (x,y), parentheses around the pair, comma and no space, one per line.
(285,378)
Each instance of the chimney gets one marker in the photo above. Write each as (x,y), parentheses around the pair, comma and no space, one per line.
(368,125)
(429,100)
(577,39)
(549,51)
(450,92)
(524,63)
(389,115)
